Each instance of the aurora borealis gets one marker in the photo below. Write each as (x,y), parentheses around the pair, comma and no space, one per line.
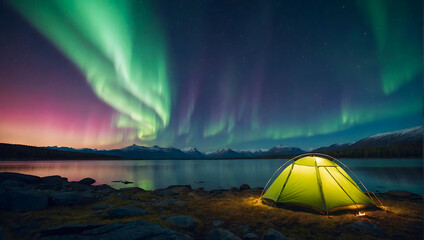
(209,74)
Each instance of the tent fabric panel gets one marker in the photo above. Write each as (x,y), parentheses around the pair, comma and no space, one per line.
(333,193)
(275,189)
(306,161)
(324,162)
(343,172)
(352,189)
(302,187)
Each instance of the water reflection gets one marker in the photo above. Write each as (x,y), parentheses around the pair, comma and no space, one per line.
(377,174)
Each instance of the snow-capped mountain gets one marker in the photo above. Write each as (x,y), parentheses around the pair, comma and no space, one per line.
(253,152)
(337,146)
(284,150)
(141,152)
(192,152)
(403,136)
(411,137)
(225,153)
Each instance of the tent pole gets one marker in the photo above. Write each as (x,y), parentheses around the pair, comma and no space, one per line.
(320,184)
(263,190)
(381,204)
(342,188)
(287,179)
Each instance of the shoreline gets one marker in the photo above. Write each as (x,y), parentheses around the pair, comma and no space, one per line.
(54,208)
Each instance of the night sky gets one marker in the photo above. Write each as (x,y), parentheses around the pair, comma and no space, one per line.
(209,74)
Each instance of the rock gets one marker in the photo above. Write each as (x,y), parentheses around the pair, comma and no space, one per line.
(104,189)
(129,231)
(250,236)
(2,235)
(169,202)
(364,226)
(244,187)
(132,189)
(258,189)
(28,179)
(234,189)
(217,192)
(126,211)
(56,179)
(245,228)
(68,229)
(183,221)
(222,234)
(100,206)
(87,181)
(180,188)
(195,195)
(272,234)
(23,200)
(173,190)
(11,185)
(217,223)
(71,198)
(165,192)
(104,229)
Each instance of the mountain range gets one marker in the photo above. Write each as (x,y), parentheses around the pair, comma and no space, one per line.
(401,143)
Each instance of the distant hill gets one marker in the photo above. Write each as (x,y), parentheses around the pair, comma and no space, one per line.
(401,143)
(23,152)
(226,153)
(284,150)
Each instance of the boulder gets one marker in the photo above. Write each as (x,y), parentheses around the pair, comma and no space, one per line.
(250,236)
(104,189)
(126,211)
(183,221)
(71,198)
(56,179)
(87,181)
(28,179)
(68,229)
(364,226)
(124,231)
(104,229)
(171,202)
(195,196)
(11,184)
(244,187)
(132,189)
(165,192)
(272,234)
(181,189)
(245,228)
(222,234)
(100,206)
(25,200)
(217,223)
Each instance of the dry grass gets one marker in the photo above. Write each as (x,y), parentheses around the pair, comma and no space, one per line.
(402,220)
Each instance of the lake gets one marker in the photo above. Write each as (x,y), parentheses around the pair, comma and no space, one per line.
(379,175)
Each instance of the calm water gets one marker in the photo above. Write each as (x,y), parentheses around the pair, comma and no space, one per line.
(377,174)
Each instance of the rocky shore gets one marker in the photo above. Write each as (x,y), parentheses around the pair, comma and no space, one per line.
(53,208)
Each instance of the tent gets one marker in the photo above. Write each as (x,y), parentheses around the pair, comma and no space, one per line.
(315,181)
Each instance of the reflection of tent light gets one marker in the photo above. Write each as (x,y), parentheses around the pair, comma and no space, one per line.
(361,214)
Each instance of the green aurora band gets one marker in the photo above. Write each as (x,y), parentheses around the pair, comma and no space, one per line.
(400,60)
(121,53)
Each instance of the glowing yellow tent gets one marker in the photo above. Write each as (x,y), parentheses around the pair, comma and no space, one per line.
(315,181)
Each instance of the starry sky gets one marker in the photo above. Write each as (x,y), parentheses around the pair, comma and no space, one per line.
(209,74)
